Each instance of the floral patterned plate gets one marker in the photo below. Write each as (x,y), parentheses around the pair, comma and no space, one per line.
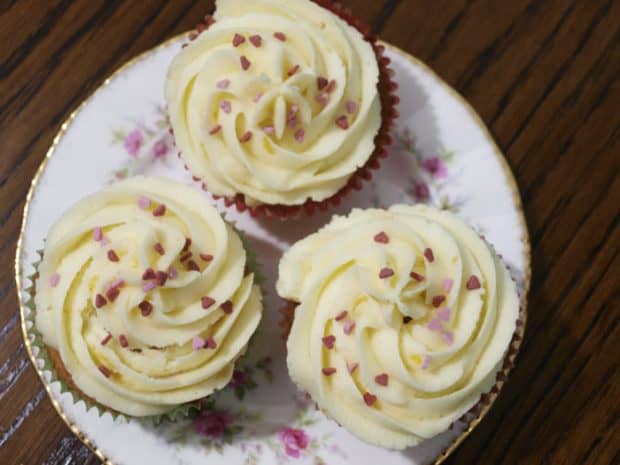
(442,154)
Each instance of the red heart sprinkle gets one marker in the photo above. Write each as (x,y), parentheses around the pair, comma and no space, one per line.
(341,316)
(100,301)
(328,371)
(192,266)
(188,243)
(428,253)
(160,210)
(369,399)
(416,276)
(245,63)
(438,300)
(215,129)
(206,257)
(331,86)
(210,343)
(112,256)
(256,40)
(321,82)
(112,293)
(473,283)
(328,341)
(206,302)
(386,273)
(161,277)
(159,249)
(106,339)
(293,70)
(238,39)
(149,273)
(382,238)
(382,379)
(104,371)
(245,137)
(145,308)
(342,122)
(407,319)
(227,307)
(122,339)
(280,36)
(185,256)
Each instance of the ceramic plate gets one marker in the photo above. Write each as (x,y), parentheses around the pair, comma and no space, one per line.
(442,155)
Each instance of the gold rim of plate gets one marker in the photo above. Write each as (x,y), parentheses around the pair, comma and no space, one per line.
(512,184)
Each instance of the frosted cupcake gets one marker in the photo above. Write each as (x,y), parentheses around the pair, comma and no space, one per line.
(142,299)
(404,319)
(279,105)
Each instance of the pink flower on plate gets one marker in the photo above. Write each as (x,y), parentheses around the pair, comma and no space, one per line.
(160,149)
(133,142)
(421,191)
(212,424)
(435,166)
(294,440)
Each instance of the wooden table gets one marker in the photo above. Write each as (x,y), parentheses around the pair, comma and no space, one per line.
(543,74)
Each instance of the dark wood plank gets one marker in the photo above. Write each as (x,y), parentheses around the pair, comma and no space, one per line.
(542,74)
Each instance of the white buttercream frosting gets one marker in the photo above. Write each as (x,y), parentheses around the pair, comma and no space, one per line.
(259,100)
(126,245)
(404,319)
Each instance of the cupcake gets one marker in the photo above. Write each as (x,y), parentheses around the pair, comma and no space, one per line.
(142,298)
(280,107)
(404,319)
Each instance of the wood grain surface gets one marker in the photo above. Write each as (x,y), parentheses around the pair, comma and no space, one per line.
(543,74)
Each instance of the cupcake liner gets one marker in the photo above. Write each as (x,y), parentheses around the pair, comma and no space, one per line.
(53,363)
(477,412)
(387,92)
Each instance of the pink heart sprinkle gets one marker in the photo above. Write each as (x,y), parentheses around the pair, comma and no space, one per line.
(143,202)
(291,122)
(54,280)
(382,238)
(269,130)
(172,272)
(97,234)
(351,107)
(117,283)
(341,316)
(198,343)
(351,367)
(448,337)
(435,325)
(149,286)
(322,98)
(257,97)
(104,241)
(447,284)
(223,84)
(226,106)
(426,362)
(348,327)
(386,273)
(443,314)
(299,135)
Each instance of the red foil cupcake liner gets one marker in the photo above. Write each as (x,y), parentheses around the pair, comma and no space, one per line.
(387,92)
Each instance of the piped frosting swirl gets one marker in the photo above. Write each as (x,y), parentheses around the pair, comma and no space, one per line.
(404,318)
(277,101)
(143,292)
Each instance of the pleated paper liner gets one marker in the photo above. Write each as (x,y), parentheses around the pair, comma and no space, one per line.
(475,414)
(387,92)
(53,363)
